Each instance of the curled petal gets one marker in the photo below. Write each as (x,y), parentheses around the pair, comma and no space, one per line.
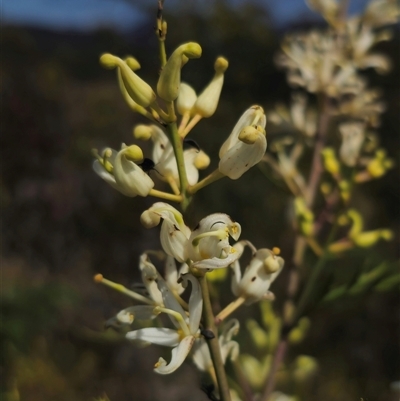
(217,263)
(155,335)
(179,354)
(242,156)
(201,355)
(138,312)
(195,303)
(130,177)
(150,276)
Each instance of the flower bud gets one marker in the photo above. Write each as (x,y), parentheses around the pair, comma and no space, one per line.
(149,219)
(202,160)
(170,78)
(271,264)
(207,101)
(186,99)
(331,163)
(132,63)
(250,134)
(236,157)
(133,153)
(142,131)
(138,89)
(370,238)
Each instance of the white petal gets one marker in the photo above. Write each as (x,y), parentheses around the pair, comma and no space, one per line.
(201,355)
(195,303)
(130,177)
(217,263)
(155,335)
(253,115)
(179,354)
(138,312)
(150,276)
(171,302)
(241,157)
(174,241)
(186,99)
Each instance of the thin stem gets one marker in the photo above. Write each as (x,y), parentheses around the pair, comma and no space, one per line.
(214,176)
(98,278)
(213,343)
(242,381)
(180,162)
(229,309)
(191,125)
(278,357)
(165,195)
(161,33)
(316,166)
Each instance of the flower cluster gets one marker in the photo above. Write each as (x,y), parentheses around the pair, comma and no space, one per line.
(127,169)
(200,250)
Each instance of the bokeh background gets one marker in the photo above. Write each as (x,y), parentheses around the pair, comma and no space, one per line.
(61,224)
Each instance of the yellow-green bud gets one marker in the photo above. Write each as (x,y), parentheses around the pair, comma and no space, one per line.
(133,153)
(250,134)
(109,61)
(305,368)
(221,65)
(358,223)
(259,336)
(271,264)
(207,101)
(331,163)
(186,99)
(138,89)
(345,187)
(370,238)
(170,78)
(142,131)
(201,162)
(133,64)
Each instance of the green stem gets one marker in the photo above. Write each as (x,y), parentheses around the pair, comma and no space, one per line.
(213,343)
(176,141)
(214,176)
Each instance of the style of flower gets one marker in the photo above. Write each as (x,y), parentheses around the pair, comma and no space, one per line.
(206,247)
(187,328)
(246,144)
(201,354)
(253,285)
(119,169)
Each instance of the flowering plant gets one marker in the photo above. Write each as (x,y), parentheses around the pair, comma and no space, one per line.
(320,65)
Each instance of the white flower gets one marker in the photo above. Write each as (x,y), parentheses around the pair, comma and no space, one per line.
(187,328)
(259,274)
(201,354)
(209,246)
(119,170)
(174,234)
(206,247)
(246,144)
(165,162)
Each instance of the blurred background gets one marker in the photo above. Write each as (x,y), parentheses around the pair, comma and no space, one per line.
(61,224)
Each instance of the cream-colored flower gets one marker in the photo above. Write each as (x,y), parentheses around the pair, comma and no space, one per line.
(246,145)
(206,247)
(183,337)
(120,171)
(254,283)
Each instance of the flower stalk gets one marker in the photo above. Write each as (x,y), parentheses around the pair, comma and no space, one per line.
(213,344)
